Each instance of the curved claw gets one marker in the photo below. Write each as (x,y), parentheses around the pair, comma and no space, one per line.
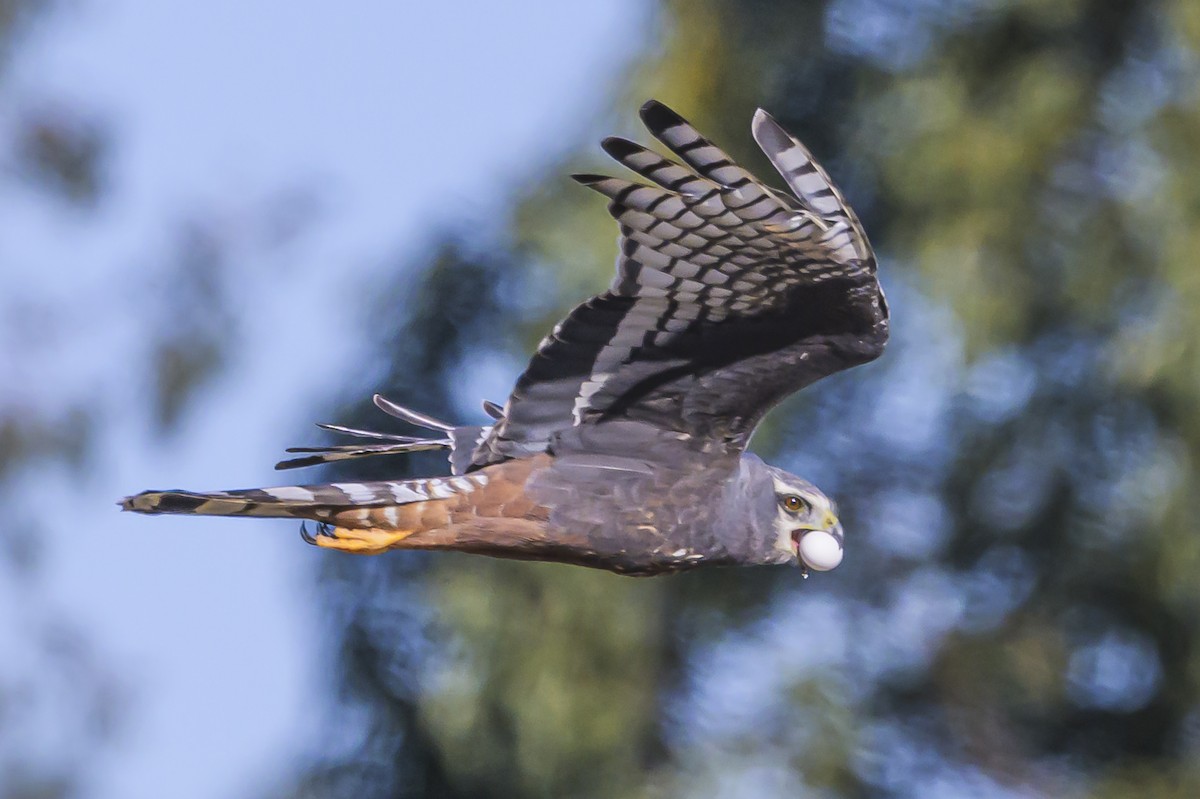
(324,530)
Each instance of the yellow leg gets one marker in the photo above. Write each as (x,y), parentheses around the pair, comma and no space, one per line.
(362,542)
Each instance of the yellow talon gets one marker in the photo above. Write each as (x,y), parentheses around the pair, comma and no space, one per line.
(362,542)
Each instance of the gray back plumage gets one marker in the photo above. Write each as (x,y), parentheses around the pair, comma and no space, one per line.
(644,498)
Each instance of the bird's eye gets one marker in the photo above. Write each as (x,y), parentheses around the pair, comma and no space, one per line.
(794,503)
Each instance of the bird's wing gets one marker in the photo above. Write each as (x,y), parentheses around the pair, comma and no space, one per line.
(460,440)
(729,296)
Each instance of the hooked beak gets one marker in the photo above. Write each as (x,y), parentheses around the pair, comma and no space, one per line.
(819,549)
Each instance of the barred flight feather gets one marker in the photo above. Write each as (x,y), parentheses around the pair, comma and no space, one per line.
(715,268)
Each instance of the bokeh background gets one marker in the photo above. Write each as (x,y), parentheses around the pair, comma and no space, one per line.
(222,221)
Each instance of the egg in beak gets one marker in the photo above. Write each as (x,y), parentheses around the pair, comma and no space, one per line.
(820,549)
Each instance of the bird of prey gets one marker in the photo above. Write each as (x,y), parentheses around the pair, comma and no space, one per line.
(623,443)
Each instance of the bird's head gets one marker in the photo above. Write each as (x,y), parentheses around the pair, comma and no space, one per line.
(806,522)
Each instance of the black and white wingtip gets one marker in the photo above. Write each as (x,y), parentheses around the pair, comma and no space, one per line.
(658,116)
(620,148)
(797,166)
(588,179)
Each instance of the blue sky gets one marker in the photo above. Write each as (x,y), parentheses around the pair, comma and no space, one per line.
(401,117)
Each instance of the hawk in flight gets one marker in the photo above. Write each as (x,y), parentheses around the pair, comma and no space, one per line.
(622,445)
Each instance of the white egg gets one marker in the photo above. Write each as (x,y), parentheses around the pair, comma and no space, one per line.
(820,551)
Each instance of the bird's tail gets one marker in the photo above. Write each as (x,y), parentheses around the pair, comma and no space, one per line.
(428,513)
(330,502)
(353,517)
(485,511)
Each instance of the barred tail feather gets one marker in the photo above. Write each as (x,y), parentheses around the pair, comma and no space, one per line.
(486,511)
(317,502)
(255,502)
